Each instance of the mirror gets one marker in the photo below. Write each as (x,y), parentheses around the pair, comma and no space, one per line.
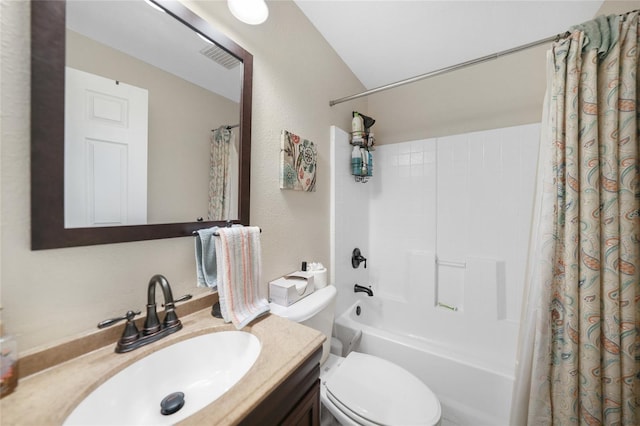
(53,45)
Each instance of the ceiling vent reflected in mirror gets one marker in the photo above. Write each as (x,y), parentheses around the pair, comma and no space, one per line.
(220,56)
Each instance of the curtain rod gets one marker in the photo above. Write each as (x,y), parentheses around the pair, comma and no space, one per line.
(448,69)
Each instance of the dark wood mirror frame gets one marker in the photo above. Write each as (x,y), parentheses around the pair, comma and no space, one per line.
(47,134)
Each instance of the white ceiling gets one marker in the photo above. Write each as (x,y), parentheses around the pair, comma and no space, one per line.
(382,41)
(385,41)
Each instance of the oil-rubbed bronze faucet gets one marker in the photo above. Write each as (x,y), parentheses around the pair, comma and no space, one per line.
(153,330)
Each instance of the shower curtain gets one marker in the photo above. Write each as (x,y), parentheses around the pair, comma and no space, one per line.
(222,145)
(579,350)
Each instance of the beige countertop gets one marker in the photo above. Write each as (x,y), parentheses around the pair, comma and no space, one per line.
(48,397)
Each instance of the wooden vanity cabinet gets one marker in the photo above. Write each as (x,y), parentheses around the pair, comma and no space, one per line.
(295,402)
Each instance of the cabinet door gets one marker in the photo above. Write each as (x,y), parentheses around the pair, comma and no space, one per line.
(307,412)
(296,401)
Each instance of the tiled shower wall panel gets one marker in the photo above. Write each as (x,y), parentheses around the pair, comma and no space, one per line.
(402,213)
(486,183)
(468,200)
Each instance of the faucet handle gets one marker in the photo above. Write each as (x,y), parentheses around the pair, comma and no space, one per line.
(170,316)
(128,316)
(130,333)
(182,299)
(357,258)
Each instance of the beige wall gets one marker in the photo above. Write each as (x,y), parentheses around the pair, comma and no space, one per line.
(181,116)
(51,295)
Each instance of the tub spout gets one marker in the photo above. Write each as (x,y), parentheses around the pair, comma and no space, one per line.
(358,289)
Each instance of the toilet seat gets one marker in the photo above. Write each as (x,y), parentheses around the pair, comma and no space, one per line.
(373,391)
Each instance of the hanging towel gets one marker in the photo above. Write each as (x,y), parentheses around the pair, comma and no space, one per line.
(206,267)
(239,262)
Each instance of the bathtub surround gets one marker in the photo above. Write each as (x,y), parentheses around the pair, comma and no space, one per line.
(585,261)
(349,206)
(444,222)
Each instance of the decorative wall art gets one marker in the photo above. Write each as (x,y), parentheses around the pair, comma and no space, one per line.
(298,163)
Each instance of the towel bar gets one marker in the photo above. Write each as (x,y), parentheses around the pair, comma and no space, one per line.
(217,235)
(195,233)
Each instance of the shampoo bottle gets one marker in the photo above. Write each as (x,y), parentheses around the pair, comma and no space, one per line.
(356,161)
(357,127)
(365,161)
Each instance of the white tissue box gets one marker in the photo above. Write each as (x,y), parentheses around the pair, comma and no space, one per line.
(289,289)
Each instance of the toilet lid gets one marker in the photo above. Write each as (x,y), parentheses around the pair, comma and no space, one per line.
(382,392)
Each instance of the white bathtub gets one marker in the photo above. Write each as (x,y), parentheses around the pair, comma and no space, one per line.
(472,391)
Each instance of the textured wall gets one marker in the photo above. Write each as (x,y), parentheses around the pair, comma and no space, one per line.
(51,295)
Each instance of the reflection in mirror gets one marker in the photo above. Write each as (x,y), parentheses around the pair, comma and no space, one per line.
(170,120)
(145,97)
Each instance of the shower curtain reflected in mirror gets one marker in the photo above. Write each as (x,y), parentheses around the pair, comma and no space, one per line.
(579,354)
(222,176)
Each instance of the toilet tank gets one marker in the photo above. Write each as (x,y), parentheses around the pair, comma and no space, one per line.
(315,311)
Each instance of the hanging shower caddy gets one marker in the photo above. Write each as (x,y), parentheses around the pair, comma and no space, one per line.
(362,140)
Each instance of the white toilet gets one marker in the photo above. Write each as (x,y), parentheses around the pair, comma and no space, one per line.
(362,389)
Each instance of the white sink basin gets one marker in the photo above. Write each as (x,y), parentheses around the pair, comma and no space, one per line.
(202,367)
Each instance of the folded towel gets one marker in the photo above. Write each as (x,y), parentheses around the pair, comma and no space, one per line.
(206,267)
(239,262)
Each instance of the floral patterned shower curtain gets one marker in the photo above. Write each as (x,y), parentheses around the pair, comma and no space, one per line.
(219,173)
(579,359)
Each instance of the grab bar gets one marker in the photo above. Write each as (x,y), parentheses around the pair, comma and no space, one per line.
(442,305)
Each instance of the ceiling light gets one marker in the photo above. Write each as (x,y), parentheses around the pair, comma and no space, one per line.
(252,12)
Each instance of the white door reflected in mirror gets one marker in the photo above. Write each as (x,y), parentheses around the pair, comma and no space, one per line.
(106,134)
